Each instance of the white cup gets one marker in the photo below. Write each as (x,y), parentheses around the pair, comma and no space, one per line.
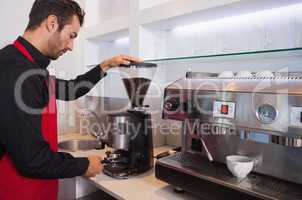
(226,74)
(244,74)
(264,74)
(240,166)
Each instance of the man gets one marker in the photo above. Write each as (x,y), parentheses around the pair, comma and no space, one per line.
(29,162)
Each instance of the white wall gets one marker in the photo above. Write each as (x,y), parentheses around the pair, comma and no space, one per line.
(13,21)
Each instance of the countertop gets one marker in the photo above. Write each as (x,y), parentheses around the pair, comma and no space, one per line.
(144,186)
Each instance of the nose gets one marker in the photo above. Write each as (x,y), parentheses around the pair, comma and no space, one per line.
(70,45)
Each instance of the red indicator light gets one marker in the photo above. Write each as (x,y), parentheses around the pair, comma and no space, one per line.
(224,109)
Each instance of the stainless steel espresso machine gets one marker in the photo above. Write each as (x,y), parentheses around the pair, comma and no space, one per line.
(130,133)
(259,116)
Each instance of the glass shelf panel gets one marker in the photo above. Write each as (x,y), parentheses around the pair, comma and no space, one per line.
(275,53)
(281,60)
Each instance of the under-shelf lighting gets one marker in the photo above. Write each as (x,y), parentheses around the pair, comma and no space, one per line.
(245,19)
(122,41)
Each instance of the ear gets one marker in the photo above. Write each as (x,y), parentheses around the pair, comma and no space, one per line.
(52,24)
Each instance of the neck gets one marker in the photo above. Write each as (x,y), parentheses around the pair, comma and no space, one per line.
(35,39)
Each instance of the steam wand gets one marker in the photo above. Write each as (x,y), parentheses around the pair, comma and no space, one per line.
(210,157)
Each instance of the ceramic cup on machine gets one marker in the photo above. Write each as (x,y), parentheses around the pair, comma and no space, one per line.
(265,74)
(244,74)
(226,74)
(240,166)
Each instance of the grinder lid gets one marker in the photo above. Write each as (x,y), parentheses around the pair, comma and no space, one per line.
(139,65)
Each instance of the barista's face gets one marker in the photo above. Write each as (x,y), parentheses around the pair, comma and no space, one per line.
(62,41)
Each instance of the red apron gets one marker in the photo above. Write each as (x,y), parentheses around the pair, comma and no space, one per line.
(14,186)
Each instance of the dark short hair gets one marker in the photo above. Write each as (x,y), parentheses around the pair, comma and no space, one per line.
(64,10)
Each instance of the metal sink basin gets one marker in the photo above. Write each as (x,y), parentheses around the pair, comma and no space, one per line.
(79,145)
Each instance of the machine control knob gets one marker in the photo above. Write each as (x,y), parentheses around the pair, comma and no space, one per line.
(172,104)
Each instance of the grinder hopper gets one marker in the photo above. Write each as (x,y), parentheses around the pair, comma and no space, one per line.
(137,78)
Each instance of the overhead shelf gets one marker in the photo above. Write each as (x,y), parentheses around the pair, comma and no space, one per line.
(99,11)
(176,8)
(162,12)
(171,13)
(108,29)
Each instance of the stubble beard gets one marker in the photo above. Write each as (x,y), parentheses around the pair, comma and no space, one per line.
(54,46)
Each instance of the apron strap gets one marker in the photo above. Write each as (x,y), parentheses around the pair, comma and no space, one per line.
(22,49)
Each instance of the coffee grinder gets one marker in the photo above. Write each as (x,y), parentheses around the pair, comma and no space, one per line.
(130,133)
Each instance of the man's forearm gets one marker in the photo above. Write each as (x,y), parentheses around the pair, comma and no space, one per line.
(73,89)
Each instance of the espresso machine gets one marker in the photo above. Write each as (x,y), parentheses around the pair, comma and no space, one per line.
(130,134)
(259,115)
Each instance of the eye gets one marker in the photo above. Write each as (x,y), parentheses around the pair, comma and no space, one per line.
(73,35)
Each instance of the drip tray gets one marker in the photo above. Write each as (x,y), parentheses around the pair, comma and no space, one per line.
(199,171)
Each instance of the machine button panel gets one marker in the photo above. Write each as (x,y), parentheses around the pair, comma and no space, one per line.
(224,109)
(296,117)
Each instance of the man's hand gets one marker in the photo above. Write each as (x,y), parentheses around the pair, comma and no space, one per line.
(117,61)
(95,166)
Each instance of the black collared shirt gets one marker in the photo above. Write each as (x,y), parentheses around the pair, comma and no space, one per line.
(20,131)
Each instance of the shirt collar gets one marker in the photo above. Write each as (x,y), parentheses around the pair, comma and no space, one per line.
(38,57)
